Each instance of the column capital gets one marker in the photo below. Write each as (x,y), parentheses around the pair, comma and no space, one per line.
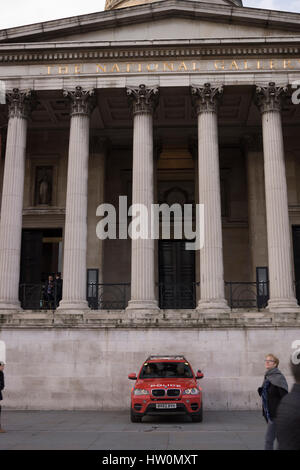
(269,98)
(206,97)
(82,101)
(142,99)
(20,103)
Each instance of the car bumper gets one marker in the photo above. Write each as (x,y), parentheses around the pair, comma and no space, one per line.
(190,406)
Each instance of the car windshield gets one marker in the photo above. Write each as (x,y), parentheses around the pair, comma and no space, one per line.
(166,369)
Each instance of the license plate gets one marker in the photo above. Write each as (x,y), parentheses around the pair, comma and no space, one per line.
(164,406)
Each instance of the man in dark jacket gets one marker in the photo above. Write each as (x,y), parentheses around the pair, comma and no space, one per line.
(49,293)
(1,388)
(288,414)
(57,289)
(273,389)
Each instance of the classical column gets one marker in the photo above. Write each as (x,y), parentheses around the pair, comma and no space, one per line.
(282,293)
(211,255)
(19,104)
(96,192)
(256,203)
(75,242)
(143,100)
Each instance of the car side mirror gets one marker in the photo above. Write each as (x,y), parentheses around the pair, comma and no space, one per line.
(199,375)
(132,377)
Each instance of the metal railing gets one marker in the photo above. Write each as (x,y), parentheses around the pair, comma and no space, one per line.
(108,296)
(251,295)
(115,296)
(177,295)
(99,296)
(36,297)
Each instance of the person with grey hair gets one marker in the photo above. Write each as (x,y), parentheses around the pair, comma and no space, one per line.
(273,389)
(288,414)
(1,388)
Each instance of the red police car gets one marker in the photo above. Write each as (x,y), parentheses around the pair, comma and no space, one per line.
(166,384)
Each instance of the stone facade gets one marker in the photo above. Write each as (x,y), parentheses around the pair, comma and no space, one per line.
(210,120)
(87,368)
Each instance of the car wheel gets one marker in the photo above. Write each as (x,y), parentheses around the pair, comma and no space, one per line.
(198,418)
(134,418)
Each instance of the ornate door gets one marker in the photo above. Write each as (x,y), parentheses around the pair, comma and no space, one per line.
(176,275)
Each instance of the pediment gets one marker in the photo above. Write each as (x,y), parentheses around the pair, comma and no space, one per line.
(177,28)
(167,20)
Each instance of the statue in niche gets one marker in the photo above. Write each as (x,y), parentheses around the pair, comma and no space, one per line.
(43,186)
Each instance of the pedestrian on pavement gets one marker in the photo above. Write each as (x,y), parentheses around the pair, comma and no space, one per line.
(288,414)
(1,388)
(273,389)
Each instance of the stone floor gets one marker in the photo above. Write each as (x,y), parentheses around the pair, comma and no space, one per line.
(103,430)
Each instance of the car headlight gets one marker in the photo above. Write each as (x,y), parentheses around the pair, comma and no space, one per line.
(191,391)
(140,391)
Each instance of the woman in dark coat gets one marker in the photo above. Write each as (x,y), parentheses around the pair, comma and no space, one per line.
(1,388)
(273,389)
(288,414)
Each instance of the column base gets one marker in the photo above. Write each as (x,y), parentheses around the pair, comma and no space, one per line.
(139,308)
(72,307)
(143,305)
(283,306)
(213,307)
(10,306)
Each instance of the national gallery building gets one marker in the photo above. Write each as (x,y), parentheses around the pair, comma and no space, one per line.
(162,102)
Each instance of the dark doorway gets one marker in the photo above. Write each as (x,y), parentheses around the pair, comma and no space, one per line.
(176,275)
(31,256)
(40,255)
(296,244)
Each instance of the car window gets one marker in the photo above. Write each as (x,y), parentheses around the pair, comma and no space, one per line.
(165,370)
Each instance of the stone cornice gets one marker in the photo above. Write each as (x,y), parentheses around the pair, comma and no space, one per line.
(64,52)
(165,319)
(143,13)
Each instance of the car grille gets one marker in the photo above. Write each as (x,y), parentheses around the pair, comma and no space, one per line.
(160,392)
(173,392)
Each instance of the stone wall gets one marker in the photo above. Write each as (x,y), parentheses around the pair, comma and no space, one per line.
(87,368)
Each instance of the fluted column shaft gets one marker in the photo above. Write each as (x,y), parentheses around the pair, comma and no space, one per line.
(211,255)
(282,293)
(256,203)
(75,237)
(96,193)
(143,250)
(12,199)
